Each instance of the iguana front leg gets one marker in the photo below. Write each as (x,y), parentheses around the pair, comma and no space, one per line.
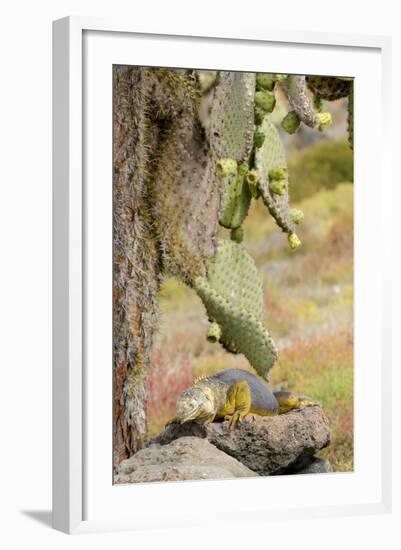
(238,404)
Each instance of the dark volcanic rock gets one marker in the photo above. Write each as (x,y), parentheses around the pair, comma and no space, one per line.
(183,459)
(315,466)
(266,445)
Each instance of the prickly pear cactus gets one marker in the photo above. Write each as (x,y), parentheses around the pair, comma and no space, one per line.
(303,106)
(233,296)
(271,164)
(231,141)
(178,174)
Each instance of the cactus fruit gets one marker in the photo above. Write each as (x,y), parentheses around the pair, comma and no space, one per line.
(278,187)
(278,180)
(213,333)
(258,138)
(235,199)
(291,122)
(264,81)
(265,101)
(323,120)
(233,297)
(293,241)
(297,215)
(328,87)
(227,168)
(278,174)
(252,179)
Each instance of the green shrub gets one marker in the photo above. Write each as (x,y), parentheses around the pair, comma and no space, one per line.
(322,165)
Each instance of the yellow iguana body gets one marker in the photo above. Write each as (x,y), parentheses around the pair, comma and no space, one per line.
(230,395)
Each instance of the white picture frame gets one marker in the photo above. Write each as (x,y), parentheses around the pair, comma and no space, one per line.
(80,45)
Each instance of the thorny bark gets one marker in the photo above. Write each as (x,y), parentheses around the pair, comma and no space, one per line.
(165,221)
(136,264)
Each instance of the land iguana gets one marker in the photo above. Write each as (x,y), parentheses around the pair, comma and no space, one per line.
(230,395)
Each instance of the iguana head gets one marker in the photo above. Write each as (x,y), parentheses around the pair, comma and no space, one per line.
(193,404)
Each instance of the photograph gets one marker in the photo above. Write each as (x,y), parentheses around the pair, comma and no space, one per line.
(232,291)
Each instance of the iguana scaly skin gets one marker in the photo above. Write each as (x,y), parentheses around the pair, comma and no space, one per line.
(230,395)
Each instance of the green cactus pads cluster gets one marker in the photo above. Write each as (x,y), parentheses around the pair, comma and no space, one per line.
(233,297)
(271,164)
(329,88)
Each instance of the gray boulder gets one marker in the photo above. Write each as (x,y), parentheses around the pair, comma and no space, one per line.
(266,445)
(183,459)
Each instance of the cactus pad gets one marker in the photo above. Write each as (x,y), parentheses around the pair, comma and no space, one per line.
(296,92)
(184,197)
(231,118)
(233,297)
(231,135)
(270,160)
(328,87)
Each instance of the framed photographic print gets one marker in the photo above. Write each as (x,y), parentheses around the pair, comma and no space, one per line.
(219,319)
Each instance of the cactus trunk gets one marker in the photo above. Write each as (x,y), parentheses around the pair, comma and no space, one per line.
(136,264)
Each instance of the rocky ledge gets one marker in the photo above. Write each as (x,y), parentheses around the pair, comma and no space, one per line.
(185,458)
(274,445)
